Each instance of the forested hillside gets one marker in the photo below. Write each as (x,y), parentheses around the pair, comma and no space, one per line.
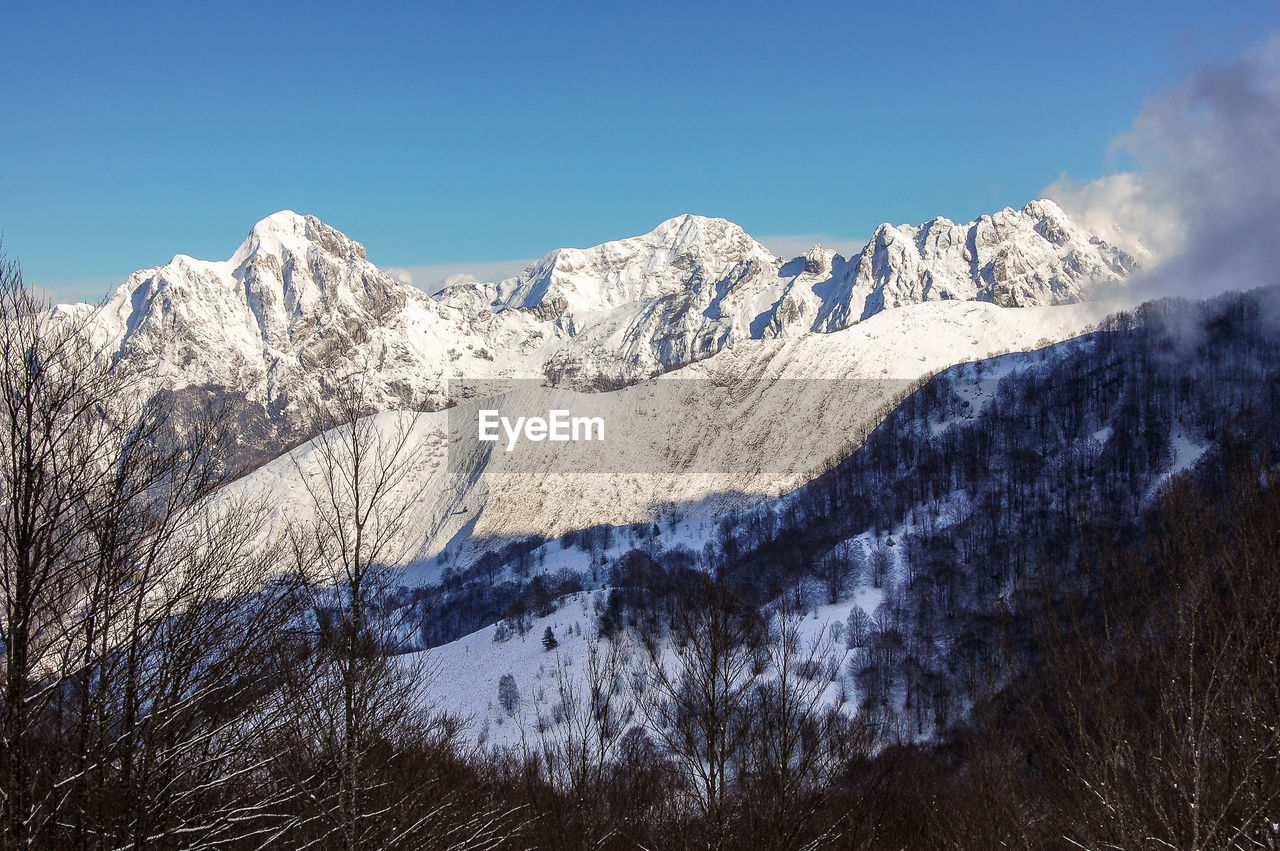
(1051,536)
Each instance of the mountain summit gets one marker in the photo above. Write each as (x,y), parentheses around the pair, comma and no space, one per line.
(294,310)
(1014,258)
(687,252)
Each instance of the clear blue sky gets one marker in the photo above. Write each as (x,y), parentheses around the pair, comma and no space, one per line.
(466,132)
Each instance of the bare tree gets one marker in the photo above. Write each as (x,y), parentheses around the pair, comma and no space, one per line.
(698,687)
(579,751)
(163,710)
(508,694)
(53,391)
(136,616)
(1157,714)
(362,722)
(858,627)
(799,739)
(881,563)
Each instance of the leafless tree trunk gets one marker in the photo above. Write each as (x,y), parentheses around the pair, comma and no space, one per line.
(699,685)
(359,708)
(579,751)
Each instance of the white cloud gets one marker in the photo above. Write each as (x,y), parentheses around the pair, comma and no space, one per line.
(401,274)
(1117,208)
(1206,194)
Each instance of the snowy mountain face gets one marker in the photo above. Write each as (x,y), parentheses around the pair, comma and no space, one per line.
(294,312)
(693,286)
(637,307)
(1015,258)
(927,531)
(298,308)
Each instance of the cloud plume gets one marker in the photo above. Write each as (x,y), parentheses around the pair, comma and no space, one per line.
(1205,197)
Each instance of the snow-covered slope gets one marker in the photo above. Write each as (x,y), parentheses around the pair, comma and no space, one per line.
(730,449)
(940,516)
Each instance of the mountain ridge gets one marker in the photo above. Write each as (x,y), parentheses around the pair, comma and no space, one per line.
(297,308)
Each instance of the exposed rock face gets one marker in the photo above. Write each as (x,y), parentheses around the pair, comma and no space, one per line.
(635,307)
(296,310)
(1015,258)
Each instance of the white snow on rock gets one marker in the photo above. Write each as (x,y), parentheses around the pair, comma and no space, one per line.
(1014,258)
(294,312)
(298,308)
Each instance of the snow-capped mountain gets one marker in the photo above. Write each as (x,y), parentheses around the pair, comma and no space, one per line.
(295,311)
(1014,258)
(639,306)
(298,308)
(694,285)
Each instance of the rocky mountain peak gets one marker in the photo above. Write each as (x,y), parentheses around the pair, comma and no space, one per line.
(1012,258)
(287,234)
(681,254)
(697,235)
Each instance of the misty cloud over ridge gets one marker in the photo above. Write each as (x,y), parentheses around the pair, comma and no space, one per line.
(1205,198)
